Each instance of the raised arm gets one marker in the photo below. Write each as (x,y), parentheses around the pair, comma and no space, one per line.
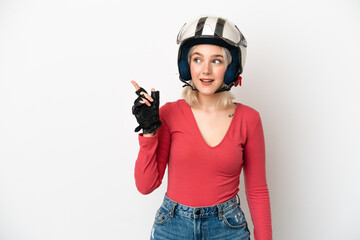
(154,141)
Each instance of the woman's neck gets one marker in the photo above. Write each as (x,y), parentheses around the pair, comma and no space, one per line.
(208,103)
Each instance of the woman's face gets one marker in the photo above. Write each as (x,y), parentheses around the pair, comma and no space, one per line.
(207,68)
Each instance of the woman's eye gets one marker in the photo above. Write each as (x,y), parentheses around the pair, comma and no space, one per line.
(196,60)
(217,61)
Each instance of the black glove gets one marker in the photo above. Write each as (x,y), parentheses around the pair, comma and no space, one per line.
(147,117)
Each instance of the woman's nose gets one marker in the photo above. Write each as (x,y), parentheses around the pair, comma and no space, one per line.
(207,68)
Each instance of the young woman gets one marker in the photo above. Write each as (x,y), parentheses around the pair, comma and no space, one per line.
(205,139)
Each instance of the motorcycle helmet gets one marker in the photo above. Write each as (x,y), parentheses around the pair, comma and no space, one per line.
(212,30)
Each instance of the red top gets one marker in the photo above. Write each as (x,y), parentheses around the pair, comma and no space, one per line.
(201,175)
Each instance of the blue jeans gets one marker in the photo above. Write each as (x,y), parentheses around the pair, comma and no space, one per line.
(224,221)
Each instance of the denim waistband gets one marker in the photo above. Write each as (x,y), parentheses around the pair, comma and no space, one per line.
(200,212)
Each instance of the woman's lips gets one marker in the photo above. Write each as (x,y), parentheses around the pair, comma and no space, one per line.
(206,82)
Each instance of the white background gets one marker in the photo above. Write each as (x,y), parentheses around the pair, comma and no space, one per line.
(67,141)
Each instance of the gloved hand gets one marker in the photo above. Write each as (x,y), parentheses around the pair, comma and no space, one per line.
(147,116)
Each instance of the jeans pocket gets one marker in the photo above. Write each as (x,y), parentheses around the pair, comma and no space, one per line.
(162,215)
(235,218)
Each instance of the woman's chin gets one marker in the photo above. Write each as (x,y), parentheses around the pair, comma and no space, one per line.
(207,92)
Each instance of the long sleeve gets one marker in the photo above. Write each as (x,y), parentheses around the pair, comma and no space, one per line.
(152,159)
(257,192)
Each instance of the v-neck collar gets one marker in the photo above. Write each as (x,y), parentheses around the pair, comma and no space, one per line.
(193,120)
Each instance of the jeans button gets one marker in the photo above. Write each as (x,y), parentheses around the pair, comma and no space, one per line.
(197,212)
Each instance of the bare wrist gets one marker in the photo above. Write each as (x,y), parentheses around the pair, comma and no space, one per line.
(149,134)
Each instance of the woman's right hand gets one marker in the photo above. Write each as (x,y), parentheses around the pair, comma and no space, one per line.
(146,110)
(142,91)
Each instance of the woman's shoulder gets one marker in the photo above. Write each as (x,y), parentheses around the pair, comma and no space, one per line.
(173,109)
(247,112)
(180,103)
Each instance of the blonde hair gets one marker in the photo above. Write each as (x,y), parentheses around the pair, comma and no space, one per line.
(225,97)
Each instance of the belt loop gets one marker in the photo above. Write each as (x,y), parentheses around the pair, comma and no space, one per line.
(173,209)
(238,199)
(220,214)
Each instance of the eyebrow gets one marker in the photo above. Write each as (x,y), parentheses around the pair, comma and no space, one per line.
(214,56)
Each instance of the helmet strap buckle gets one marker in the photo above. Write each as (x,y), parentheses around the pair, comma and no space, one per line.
(238,81)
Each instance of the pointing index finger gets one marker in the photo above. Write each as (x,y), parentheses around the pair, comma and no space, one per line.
(135,85)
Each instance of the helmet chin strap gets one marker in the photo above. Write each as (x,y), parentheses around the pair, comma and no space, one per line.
(228,87)
(225,88)
(187,84)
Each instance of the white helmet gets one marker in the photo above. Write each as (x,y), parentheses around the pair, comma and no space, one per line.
(217,31)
